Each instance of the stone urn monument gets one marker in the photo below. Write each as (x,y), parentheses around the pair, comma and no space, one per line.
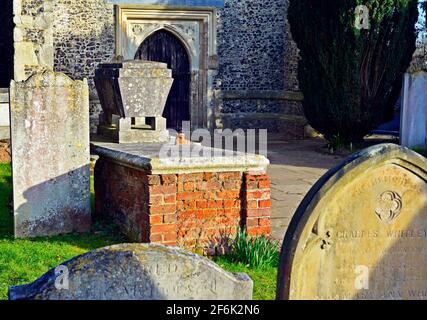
(133,96)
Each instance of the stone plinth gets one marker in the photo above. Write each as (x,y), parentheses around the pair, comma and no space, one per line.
(194,202)
(133,96)
(361,231)
(50,155)
(137,272)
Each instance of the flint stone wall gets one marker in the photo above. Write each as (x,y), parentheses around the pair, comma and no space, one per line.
(33,37)
(253,39)
(50,149)
(139,272)
(255,52)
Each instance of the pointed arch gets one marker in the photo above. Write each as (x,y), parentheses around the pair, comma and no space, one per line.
(165,46)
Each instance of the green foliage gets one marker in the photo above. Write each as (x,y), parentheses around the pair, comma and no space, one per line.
(254,252)
(352,78)
(258,257)
(421,150)
(336,143)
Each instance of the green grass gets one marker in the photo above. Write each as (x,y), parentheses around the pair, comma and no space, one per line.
(259,258)
(23,261)
(264,278)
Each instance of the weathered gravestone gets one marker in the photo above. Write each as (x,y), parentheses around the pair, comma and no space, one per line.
(50,155)
(137,272)
(361,232)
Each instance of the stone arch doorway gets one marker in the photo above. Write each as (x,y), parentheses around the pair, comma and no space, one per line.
(163,46)
(6,43)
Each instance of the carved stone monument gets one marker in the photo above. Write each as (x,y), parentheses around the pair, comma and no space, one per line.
(137,272)
(50,155)
(133,96)
(361,232)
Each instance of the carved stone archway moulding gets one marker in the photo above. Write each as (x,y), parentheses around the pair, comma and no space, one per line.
(195,27)
(186,31)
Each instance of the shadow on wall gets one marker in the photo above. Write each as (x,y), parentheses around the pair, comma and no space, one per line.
(56,206)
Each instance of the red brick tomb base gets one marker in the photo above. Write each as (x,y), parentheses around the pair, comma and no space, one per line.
(196,206)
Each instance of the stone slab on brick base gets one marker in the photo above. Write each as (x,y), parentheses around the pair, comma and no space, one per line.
(179,202)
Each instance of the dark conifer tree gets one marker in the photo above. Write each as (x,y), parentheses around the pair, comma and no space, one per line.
(351,77)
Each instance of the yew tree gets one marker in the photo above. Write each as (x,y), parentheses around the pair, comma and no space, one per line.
(352,61)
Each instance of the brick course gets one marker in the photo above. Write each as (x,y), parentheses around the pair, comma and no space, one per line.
(198,211)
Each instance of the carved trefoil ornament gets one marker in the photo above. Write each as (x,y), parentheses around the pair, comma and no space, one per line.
(389,206)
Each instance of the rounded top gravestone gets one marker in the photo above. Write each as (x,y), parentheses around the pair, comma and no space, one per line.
(361,232)
(137,272)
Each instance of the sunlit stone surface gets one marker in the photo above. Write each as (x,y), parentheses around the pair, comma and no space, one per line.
(361,233)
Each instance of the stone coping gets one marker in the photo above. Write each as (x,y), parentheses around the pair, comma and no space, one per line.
(185,3)
(188,159)
(134,64)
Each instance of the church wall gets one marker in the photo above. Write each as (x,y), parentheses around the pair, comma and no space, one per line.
(84,36)
(257,66)
(33,37)
(257,60)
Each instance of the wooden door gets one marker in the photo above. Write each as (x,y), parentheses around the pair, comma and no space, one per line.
(163,46)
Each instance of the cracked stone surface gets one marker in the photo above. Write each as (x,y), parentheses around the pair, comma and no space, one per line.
(295,168)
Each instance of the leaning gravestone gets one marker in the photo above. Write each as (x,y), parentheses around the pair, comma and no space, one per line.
(50,155)
(137,272)
(361,232)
